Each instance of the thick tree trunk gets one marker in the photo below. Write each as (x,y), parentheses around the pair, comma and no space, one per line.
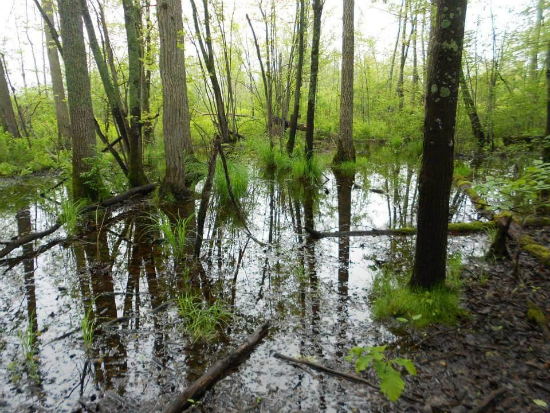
(61,110)
(178,146)
(312,96)
(7,115)
(131,21)
(471,109)
(346,150)
(299,72)
(79,98)
(439,128)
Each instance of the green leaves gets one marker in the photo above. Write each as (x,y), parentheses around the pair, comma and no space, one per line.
(391,382)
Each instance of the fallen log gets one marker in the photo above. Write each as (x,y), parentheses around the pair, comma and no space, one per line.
(454,228)
(140,190)
(217,372)
(346,376)
(515,229)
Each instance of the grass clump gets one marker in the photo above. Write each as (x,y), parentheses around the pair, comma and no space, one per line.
(200,320)
(239,177)
(175,233)
(28,339)
(462,170)
(307,170)
(87,325)
(440,305)
(70,213)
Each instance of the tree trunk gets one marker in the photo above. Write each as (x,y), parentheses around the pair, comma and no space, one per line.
(438,154)
(533,60)
(299,71)
(178,146)
(403,60)
(547,146)
(7,115)
(61,110)
(131,20)
(477,129)
(149,60)
(317,14)
(346,150)
(79,98)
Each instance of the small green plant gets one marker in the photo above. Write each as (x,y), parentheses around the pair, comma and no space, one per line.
(175,233)
(463,170)
(387,370)
(27,339)
(70,213)
(87,325)
(201,320)
(239,177)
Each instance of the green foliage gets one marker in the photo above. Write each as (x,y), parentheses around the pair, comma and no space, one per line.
(174,232)
(522,194)
(16,158)
(463,170)
(387,370)
(394,298)
(201,320)
(27,339)
(87,325)
(239,177)
(70,213)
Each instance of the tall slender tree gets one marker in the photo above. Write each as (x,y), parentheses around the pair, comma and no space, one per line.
(136,174)
(346,150)
(61,110)
(299,71)
(438,154)
(79,98)
(178,146)
(7,115)
(312,96)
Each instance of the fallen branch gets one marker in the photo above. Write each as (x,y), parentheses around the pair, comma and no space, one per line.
(217,372)
(454,228)
(489,400)
(346,376)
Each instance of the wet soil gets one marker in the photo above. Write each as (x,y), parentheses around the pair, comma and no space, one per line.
(315,293)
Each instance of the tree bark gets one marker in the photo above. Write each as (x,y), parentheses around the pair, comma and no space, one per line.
(533,60)
(471,109)
(178,147)
(317,14)
(61,110)
(7,115)
(131,21)
(346,150)
(299,72)
(438,155)
(547,146)
(79,98)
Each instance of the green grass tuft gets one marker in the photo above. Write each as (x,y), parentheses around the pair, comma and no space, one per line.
(393,298)
(175,233)
(200,320)
(239,177)
(70,212)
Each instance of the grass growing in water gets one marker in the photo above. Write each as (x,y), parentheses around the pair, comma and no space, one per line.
(239,177)
(201,320)
(174,233)
(87,325)
(28,348)
(441,305)
(70,212)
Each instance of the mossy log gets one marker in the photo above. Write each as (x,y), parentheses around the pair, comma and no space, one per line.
(537,315)
(507,219)
(460,228)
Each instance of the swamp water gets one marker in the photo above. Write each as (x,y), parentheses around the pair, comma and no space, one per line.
(315,293)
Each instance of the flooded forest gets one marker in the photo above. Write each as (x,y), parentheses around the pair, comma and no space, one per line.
(275,206)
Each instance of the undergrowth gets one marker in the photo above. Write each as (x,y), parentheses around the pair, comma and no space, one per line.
(201,320)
